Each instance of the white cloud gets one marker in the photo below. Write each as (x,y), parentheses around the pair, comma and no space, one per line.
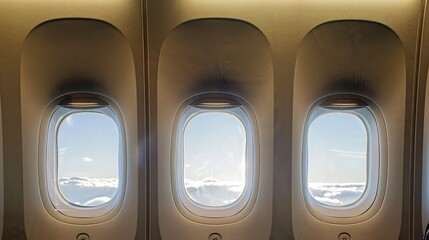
(85,191)
(89,182)
(329,201)
(97,201)
(350,154)
(87,159)
(212,192)
(336,194)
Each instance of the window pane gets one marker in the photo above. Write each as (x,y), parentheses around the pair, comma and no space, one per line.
(214,158)
(88,145)
(337,158)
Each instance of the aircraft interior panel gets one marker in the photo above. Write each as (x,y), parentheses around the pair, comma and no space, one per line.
(203,60)
(424,171)
(54,55)
(218,120)
(1,177)
(421,209)
(370,67)
(97,21)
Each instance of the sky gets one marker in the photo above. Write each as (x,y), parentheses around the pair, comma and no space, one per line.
(88,145)
(214,157)
(215,150)
(337,145)
(214,147)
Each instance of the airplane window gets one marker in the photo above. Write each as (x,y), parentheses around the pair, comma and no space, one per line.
(214,158)
(337,158)
(342,156)
(85,156)
(88,152)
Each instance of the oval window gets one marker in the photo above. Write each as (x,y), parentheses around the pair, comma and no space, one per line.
(88,158)
(215,158)
(337,158)
(341,158)
(84,163)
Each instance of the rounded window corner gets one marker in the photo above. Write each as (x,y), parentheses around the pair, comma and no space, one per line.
(82,158)
(215,159)
(344,160)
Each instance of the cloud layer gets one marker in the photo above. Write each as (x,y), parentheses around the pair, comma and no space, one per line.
(211,192)
(84,191)
(89,192)
(336,194)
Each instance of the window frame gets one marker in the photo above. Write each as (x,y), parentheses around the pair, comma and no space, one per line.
(373,159)
(243,205)
(54,201)
(60,116)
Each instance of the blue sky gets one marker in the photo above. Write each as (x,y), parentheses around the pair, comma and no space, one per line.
(88,146)
(214,147)
(337,145)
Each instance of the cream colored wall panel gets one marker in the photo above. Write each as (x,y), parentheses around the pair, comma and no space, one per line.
(215,56)
(421,210)
(285,24)
(366,59)
(1,174)
(19,18)
(425,168)
(62,57)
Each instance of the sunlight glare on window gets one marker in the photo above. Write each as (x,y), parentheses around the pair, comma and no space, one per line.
(88,158)
(214,158)
(337,158)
